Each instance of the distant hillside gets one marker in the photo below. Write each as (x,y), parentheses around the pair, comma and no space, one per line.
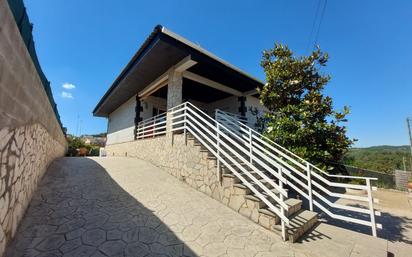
(384,158)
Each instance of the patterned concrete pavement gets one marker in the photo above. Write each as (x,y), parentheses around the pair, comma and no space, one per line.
(128,207)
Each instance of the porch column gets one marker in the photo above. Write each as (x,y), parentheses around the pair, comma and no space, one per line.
(174,89)
(174,95)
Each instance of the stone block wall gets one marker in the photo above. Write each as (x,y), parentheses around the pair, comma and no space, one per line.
(30,135)
(184,161)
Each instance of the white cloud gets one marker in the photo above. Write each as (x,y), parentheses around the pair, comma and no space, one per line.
(66,95)
(68,86)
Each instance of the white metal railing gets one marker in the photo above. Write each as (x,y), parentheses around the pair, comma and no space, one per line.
(230,151)
(151,127)
(219,118)
(263,165)
(120,136)
(309,181)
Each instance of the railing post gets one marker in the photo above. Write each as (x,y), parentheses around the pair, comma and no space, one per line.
(309,170)
(184,123)
(371,210)
(154,127)
(143,130)
(250,146)
(282,223)
(218,153)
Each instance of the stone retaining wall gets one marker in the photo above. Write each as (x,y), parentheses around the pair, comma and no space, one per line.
(192,165)
(184,161)
(30,135)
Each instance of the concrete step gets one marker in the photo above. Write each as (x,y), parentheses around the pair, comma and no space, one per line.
(236,158)
(227,170)
(240,189)
(300,223)
(268,219)
(256,200)
(295,205)
(229,180)
(255,184)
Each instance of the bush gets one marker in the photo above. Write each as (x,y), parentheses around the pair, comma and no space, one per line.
(94,151)
(76,144)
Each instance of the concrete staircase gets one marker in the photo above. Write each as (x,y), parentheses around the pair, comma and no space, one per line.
(241,199)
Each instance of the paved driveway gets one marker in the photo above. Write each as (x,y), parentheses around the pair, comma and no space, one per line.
(128,207)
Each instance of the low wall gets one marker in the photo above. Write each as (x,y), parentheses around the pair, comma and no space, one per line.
(30,134)
(181,160)
(402,178)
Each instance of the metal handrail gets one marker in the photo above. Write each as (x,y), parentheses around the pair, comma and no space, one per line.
(290,163)
(151,127)
(221,142)
(243,150)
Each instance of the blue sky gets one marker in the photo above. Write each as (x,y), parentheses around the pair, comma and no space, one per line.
(87,43)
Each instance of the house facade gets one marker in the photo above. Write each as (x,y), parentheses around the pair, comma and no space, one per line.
(188,112)
(166,71)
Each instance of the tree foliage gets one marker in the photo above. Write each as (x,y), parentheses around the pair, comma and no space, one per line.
(76,143)
(300,117)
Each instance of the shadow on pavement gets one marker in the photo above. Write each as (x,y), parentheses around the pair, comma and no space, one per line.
(394,228)
(79,210)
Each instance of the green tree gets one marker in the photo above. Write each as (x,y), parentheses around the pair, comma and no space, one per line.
(74,143)
(299,116)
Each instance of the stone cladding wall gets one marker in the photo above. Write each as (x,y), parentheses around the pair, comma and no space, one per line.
(30,134)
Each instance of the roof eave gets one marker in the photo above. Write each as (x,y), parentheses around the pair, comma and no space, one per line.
(156,32)
(127,68)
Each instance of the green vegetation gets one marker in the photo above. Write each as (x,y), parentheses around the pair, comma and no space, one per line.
(76,143)
(380,158)
(299,115)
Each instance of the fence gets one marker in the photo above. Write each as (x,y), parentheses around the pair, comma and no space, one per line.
(25,28)
(385,180)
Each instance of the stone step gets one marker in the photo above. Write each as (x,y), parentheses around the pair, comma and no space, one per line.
(255,184)
(268,219)
(295,205)
(227,175)
(256,200)
(236,158)
(227,170)
(229,180)
(240,189)
(300,223)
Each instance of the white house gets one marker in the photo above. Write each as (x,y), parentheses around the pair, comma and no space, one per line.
(187,111)
(169,64)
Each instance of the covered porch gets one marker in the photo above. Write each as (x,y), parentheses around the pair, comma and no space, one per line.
(167,71)
(180,84)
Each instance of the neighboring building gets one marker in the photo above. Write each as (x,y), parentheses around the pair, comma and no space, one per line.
(166,71)
(93,140)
